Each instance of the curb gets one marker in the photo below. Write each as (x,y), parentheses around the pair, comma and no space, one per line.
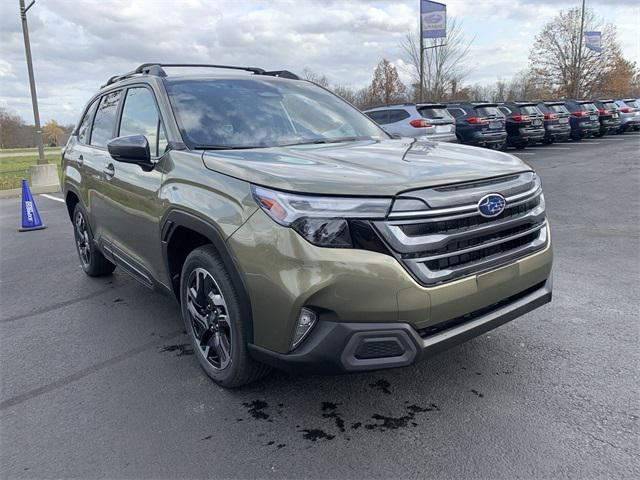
(16,192)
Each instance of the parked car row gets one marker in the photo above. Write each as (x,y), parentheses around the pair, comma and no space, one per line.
(509,124)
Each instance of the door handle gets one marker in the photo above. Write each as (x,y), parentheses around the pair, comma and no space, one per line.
(80,160)
(109,171)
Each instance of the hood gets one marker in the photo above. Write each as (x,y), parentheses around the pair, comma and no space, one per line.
(371,167)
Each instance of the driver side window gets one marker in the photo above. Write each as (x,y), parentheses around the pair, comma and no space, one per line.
(140,117)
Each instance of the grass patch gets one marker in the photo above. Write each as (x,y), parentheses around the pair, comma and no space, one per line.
(13,168)
(30,149)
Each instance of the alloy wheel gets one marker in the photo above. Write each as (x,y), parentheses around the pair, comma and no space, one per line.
(82,239)
(209,318)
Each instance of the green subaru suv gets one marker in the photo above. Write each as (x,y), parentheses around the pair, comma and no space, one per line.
(293,231)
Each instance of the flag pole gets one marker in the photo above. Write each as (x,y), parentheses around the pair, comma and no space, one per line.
(420,99)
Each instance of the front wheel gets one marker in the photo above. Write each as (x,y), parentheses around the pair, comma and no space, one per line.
(214,320)
(93,262)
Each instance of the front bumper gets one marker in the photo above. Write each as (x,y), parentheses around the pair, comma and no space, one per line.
(357,290)
(335,348)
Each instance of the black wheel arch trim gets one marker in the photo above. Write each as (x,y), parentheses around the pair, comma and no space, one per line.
(179,218)
(67,190)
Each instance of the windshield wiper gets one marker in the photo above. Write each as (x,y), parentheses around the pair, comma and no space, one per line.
(326,140)
(227,147)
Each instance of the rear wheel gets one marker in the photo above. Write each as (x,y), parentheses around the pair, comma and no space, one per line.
(93,262)
(214,321)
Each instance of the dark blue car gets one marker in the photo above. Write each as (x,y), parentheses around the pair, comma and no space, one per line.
(524,123)
(556,121)
(584,118)
(478,123)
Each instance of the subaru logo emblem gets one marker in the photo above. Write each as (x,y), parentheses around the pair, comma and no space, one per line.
(491,205)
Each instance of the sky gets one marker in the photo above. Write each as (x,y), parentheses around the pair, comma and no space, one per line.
(78,44)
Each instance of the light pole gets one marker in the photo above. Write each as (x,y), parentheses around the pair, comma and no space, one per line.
(32,83)
(579,73)
(44,176)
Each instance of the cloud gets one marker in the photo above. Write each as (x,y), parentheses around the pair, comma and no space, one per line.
(77,46)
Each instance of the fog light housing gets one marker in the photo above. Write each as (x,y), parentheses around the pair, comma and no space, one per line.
(306,320)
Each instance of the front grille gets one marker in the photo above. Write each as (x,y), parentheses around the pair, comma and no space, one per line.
(449,239)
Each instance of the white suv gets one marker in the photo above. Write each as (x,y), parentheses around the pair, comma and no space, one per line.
(426,121)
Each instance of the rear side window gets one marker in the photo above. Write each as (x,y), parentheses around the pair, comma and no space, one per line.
(105,119)
(456,112)
(434,113)
(486,111)
(397,115)
(632,103)
(505,110)
(140,117)
(83,129)
(379,117)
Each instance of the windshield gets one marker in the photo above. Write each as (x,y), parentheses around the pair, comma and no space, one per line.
(239,113)
(559,109)
(609,106)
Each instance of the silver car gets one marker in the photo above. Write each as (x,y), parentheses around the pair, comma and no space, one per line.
(629,110)
(425,121)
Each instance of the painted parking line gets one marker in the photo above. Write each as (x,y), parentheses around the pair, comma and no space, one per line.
(548,148)
(524,153)
(51,197)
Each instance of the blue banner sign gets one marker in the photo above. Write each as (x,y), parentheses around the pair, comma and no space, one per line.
(433,16)
(593,41)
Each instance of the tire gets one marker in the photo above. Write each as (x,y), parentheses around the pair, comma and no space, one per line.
(521,146)
(598,134)
(91,259)
(576,138)
(214,321)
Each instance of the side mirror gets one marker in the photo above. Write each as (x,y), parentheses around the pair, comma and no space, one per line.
(131,149)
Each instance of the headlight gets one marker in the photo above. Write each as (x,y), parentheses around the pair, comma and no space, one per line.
(323,221)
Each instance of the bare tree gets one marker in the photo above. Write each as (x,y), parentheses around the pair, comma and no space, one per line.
(554,60)
(319,78)
(386,86)
(445,67)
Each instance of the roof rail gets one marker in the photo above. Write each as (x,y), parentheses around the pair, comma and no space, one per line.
(156,69)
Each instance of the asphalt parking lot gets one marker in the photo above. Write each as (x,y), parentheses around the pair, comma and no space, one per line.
(98,379)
